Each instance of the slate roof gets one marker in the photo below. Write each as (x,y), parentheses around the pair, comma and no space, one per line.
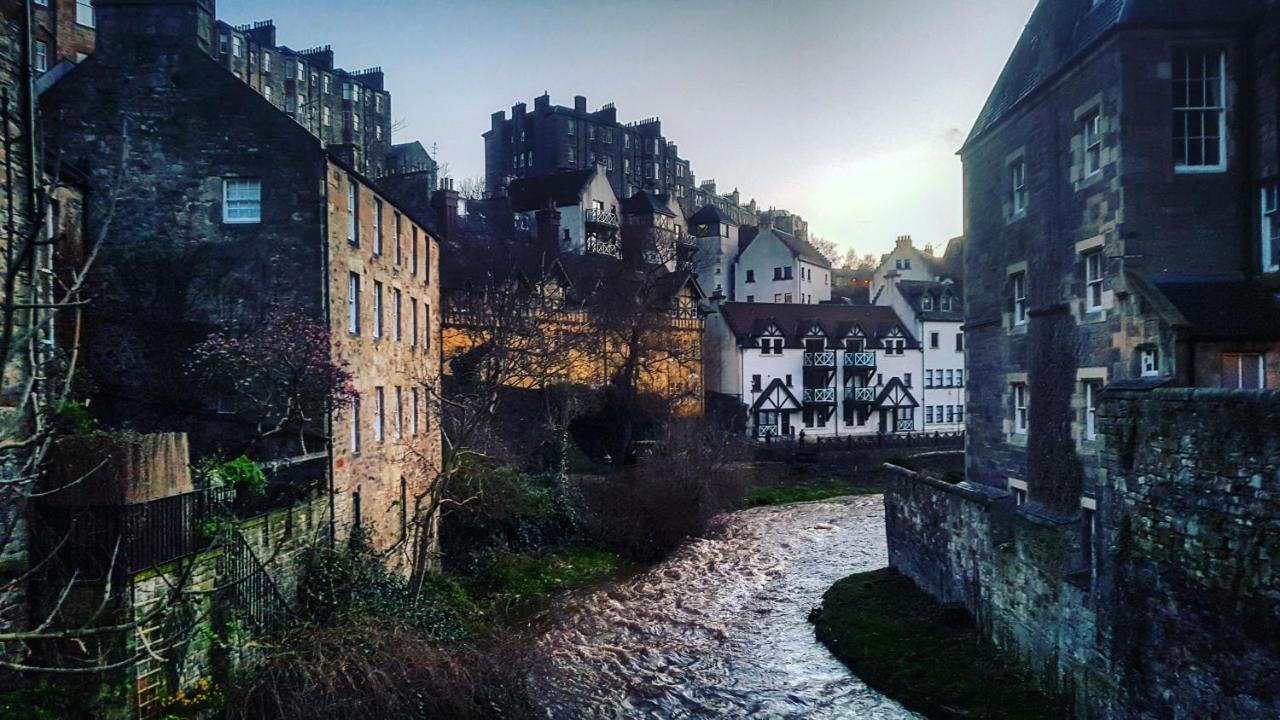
(564,188)
(708,215)
(1059,31)
(645,202)
(799,248)
(750,320)
(1218,309)
(914,290)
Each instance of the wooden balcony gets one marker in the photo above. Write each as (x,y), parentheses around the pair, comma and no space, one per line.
(820,396)
(860,360)
(860,395)
(907,425)
(605,218)
(820,359)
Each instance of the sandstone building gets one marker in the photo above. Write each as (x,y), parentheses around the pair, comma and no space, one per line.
(232,215)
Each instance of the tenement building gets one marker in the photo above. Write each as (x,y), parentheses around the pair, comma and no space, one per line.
(924,290)
(62,31)
(223,224)
(819,370)
(551,138)
(1122,339)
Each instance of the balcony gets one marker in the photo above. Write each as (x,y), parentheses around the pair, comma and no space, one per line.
(610,246)
(864,395)
(860,360)
(820,396)
(905,425)
(596,216)
(820,359)
(766,431)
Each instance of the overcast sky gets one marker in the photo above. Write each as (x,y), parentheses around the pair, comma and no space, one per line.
(846,112)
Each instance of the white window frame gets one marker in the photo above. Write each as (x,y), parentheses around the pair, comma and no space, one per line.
(353,303)
(1091,389)
(40,60)
(1092,143)
(237,46)
(241,201)
(84,13)
(266,62)
(1021,409)
(1240,359)
(1018,183)
(1018,281)
(377,309)
(1271,228)
(377,226)
(1149,362)
(355,425)
(353,212)
(397,309)
(399,424)
(1184,109)
(1093,279)
(380,415)
(414,409)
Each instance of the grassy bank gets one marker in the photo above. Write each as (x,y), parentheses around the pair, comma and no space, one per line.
(931,659)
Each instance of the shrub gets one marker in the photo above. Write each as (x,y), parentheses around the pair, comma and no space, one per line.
(242,474)
(71,418)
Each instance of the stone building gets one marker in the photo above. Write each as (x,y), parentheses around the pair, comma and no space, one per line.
(823,370)
(1120,188)
(553,137)
(61,31)
(1122,335)
(233,215)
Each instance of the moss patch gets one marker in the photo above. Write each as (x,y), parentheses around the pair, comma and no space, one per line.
(531,576)
(932,659)
(781,495)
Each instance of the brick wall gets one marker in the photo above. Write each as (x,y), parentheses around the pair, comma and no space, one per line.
(1175,615)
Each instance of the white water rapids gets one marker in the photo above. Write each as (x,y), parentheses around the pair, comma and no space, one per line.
(720,629)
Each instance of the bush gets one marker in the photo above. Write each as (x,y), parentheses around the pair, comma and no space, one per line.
(40,701)
(242,474)
(368,667)
(71,418)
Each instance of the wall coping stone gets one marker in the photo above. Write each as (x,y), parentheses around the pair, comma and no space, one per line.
(984,495)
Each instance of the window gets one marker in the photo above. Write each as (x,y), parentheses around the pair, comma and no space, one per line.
(951,413)
(397,314)
(755,383)
(934,340)
(928,415)
(1150,362)
(241,200)
(413,412)
(413,249)
(395,234)
(237,46)
(960,413)
(377,309)
(326,84)
(928,378)
(84,13)
(751,298)
(789,383)
(959,342)
(224,41)
(302,72)
(353,303)
(906,379)
(751,276)
(1243,371)
(1019,490)
(266,92)
(346,91)
(786,273)
(41,61)
(1020,408)
(960,378)
(326,116)
(353,211)
(413,324)
(777,298)
(787,298)
(1089,538)
(1092,144)
(1018,172)
(379,415)
(355,425)
(1199,110)
(1093,280)
(377,103)
(377,226)
(1271,228)
(946,302)
(1091,390)
(771,346)
(926,302)
(1019,288)
(399,427)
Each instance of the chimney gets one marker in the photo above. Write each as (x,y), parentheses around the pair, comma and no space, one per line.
(134,33)
(548,220)
(580,104)
(542,102)
(904,241)
(928,249)
(445,204)
(765,221)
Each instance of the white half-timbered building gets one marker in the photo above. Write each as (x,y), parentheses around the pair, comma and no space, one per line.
(821,370)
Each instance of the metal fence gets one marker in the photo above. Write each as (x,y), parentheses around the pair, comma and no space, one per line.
(845,443)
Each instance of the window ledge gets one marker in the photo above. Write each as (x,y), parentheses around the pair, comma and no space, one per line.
(1088,181)
(1016,217)
(1089,317)
(1199,169)
(1018,329)
(1017,439)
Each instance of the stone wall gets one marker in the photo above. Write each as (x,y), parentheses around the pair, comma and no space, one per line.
(1175,612)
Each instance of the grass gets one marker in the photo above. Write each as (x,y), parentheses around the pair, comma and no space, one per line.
(784,494)
(933,660)
(524,577)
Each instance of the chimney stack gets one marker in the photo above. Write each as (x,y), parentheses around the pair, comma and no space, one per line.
(904,241)
(445,204)
(133,32)
(580,104)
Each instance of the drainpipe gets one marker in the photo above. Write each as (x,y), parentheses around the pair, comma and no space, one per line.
(328,323)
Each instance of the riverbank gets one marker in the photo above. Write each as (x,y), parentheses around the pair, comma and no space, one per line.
(932,659)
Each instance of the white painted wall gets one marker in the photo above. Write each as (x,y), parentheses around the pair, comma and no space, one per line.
(942,360)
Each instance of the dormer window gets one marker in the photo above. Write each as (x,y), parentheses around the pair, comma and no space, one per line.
(946,302)
(926,303)
(771,346)
(1150,362)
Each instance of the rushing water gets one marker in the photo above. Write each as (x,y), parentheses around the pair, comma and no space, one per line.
(720,629)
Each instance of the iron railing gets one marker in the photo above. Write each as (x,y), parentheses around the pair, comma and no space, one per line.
(604,246)
(905,425)
(596,216)
(250,587)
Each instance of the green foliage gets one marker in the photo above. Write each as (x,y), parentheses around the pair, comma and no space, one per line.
(41,701)
(242,474)
(71,418)
(782,495)
(206,697)
(532,576)
(931,659)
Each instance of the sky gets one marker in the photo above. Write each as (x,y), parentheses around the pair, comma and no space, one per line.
(846,112)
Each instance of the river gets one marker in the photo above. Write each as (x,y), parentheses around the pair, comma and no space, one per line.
(720,629)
